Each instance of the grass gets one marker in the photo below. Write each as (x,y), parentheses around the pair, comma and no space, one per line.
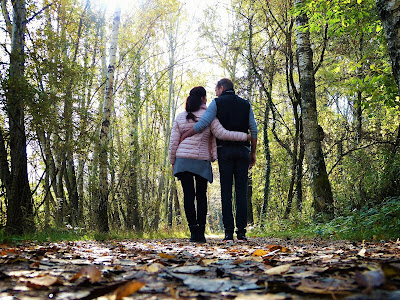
(381,222)
(69,234)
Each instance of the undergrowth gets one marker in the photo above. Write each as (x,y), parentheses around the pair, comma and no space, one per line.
(374,223)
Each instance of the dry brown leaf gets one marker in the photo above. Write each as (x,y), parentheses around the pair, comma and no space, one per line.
(90,272)
(259,252)
(128,289)
(206,262)
(326,287)
(259,297)
(167,256)
(274,247)
(278,270)
(10,251)
(43,281)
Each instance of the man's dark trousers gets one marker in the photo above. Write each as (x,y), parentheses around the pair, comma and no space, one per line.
(233,162)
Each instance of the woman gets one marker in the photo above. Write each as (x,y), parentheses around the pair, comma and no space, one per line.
(191,159)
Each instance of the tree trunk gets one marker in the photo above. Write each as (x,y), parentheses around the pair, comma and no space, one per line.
(177,207)
(133,216)
(299,171)
(322,193)
(20,205)
(102,218)
(267,174)
(250,216)
(389,11)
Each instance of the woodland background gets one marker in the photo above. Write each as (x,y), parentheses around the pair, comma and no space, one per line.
(89,94)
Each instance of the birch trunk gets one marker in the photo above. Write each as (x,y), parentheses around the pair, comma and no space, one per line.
(321,188)
(102,218)
(20,205)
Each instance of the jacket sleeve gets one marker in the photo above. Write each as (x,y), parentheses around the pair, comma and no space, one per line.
(213,147)
(174,142)
(221,133)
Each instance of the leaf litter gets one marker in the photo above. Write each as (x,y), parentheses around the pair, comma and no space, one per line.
(177,269)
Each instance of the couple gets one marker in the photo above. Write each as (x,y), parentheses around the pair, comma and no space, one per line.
(193,146)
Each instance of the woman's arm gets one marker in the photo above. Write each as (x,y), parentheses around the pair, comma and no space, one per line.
(174,142)
(221,133)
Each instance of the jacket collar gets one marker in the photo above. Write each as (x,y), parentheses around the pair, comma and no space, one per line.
(230,92)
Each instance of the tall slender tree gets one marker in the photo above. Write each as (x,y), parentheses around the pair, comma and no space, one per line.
(20,205)
(313,132)
(102,218)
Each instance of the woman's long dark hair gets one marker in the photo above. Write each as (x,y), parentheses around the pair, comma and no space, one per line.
(194,101)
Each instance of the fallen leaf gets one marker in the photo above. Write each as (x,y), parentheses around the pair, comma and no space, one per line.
(370,279)
(154,268)
(278,270)
(325,286)
(128,289)
(208,285)
(259,252)
(90,272)
(260,297)
(206,262)
(363,250)
(189,269)
(166,256)
(43,281)
(391,269)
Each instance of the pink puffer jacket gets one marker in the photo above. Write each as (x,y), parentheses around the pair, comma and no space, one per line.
(202,145)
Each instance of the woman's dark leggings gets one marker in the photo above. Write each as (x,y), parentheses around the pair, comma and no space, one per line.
(189,195)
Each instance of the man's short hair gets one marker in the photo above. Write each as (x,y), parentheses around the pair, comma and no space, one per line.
(226,83)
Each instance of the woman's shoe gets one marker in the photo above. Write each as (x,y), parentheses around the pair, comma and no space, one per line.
(194,233)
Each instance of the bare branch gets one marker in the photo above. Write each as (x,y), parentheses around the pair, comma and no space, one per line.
(37,13)
(323,49)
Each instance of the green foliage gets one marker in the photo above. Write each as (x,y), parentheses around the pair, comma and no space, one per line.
(381,222)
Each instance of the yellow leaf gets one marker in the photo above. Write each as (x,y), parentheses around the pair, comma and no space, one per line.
(167,256)
(278,270)
(206,262)
(259,252)
(154,268)
(285,250)
(128,289)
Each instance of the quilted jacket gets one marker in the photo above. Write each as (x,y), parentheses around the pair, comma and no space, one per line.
(202,145)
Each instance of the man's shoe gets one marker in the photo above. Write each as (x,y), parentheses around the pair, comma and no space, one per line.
(228,237)
(241,237)
(201,238)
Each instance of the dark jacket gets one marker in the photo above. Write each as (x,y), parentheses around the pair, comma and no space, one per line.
(233,113)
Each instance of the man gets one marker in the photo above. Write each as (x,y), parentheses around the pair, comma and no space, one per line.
(234,158)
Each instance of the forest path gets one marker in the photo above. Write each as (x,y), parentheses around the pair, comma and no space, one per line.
(177,269)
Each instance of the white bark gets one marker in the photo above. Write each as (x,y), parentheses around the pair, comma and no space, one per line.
(105,128)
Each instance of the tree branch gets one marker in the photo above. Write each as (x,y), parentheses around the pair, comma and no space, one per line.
(37,13)
(6,16)
(323,49)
